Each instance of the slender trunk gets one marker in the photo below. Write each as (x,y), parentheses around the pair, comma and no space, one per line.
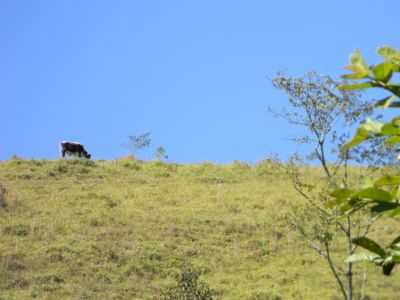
(350,251)
(349,281)
(334,272)
(322,158)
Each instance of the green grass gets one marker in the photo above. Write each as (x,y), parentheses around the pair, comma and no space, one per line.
(123,229)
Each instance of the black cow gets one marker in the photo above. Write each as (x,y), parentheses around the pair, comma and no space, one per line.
(73,148)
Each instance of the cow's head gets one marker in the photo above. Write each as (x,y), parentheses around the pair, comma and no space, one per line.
(86,154)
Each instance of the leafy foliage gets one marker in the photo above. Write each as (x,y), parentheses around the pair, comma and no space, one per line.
(382,197)
(138,142)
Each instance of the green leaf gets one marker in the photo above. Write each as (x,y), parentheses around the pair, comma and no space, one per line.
(396,259)
(374,194)
(342,194)
(387,180)
(396,121)
(362,257)
(383,71)
(390,55)
(357,68)
(346,208)
(395,212)
(363,133)
(394,191)
(394,88)
(370,245)
(395,241)
(359,72)
(357,86)
(393,140)
(357,59)
(354,201)
(390,129)
(360,75)
(360,136)
(394,251)
(372,126)
(332,203)
(383,207)
(388,268)
(388,102)
(386,51)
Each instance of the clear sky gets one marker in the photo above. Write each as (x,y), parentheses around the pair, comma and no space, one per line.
(194,73)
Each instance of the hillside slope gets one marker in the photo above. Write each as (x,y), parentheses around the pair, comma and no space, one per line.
(122,229)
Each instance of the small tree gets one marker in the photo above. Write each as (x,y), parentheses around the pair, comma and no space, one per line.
(161,153)
(319,107)
(138,142)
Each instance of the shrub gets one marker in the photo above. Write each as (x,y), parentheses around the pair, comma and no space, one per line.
(188,287)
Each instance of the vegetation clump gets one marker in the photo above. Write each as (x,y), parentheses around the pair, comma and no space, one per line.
(188,287)
(380,198)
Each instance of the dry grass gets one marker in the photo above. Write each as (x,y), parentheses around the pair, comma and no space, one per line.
(123,229)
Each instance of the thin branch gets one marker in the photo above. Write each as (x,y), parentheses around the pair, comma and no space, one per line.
(314,246)
(321,145)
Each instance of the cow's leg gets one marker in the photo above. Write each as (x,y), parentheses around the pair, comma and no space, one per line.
(62,151)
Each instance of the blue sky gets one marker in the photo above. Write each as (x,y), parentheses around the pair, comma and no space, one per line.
(194,73)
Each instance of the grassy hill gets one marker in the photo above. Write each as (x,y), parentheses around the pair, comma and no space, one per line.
(123,229)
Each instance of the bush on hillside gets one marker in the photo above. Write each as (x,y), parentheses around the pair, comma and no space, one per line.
(188,287)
